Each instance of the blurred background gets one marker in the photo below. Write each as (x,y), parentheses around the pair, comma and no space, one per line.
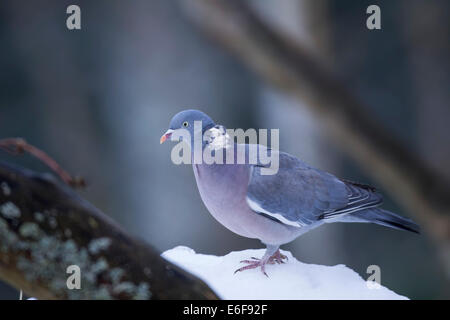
(98,100)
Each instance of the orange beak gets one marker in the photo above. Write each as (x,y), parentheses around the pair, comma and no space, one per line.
(166,136)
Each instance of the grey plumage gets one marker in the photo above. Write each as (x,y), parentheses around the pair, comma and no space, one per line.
(302,194)
(278,208)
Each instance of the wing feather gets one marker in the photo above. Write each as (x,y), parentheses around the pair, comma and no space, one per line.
(299,195)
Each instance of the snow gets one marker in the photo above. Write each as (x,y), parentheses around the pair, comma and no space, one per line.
(290,281)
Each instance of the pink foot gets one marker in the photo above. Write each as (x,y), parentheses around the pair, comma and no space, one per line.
(277,257)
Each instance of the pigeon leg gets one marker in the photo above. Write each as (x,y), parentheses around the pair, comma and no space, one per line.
(271,256)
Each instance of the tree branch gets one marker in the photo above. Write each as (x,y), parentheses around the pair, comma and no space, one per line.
(287,65)
(17,146)
(45,227)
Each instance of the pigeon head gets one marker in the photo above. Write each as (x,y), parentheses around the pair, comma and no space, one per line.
(185,120)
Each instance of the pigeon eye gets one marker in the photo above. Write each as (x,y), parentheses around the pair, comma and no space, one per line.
(185,124)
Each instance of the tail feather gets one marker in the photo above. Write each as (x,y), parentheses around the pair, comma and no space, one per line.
(387,219)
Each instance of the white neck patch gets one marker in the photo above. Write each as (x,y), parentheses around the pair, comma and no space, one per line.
(217,138)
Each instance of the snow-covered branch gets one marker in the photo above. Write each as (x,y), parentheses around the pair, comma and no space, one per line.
(288,281)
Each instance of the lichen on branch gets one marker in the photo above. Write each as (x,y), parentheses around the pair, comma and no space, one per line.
(45,227)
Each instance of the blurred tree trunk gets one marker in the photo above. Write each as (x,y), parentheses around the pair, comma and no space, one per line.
(63,98)
(429,52)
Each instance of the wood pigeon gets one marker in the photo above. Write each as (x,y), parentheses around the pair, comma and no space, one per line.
(275,208)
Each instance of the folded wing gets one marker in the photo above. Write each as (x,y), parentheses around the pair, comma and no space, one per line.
(299,195)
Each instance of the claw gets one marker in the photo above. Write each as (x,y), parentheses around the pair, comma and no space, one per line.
(277,257)
(246,261)
(253,265)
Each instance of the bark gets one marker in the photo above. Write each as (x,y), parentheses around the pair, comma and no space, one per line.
(45,227)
